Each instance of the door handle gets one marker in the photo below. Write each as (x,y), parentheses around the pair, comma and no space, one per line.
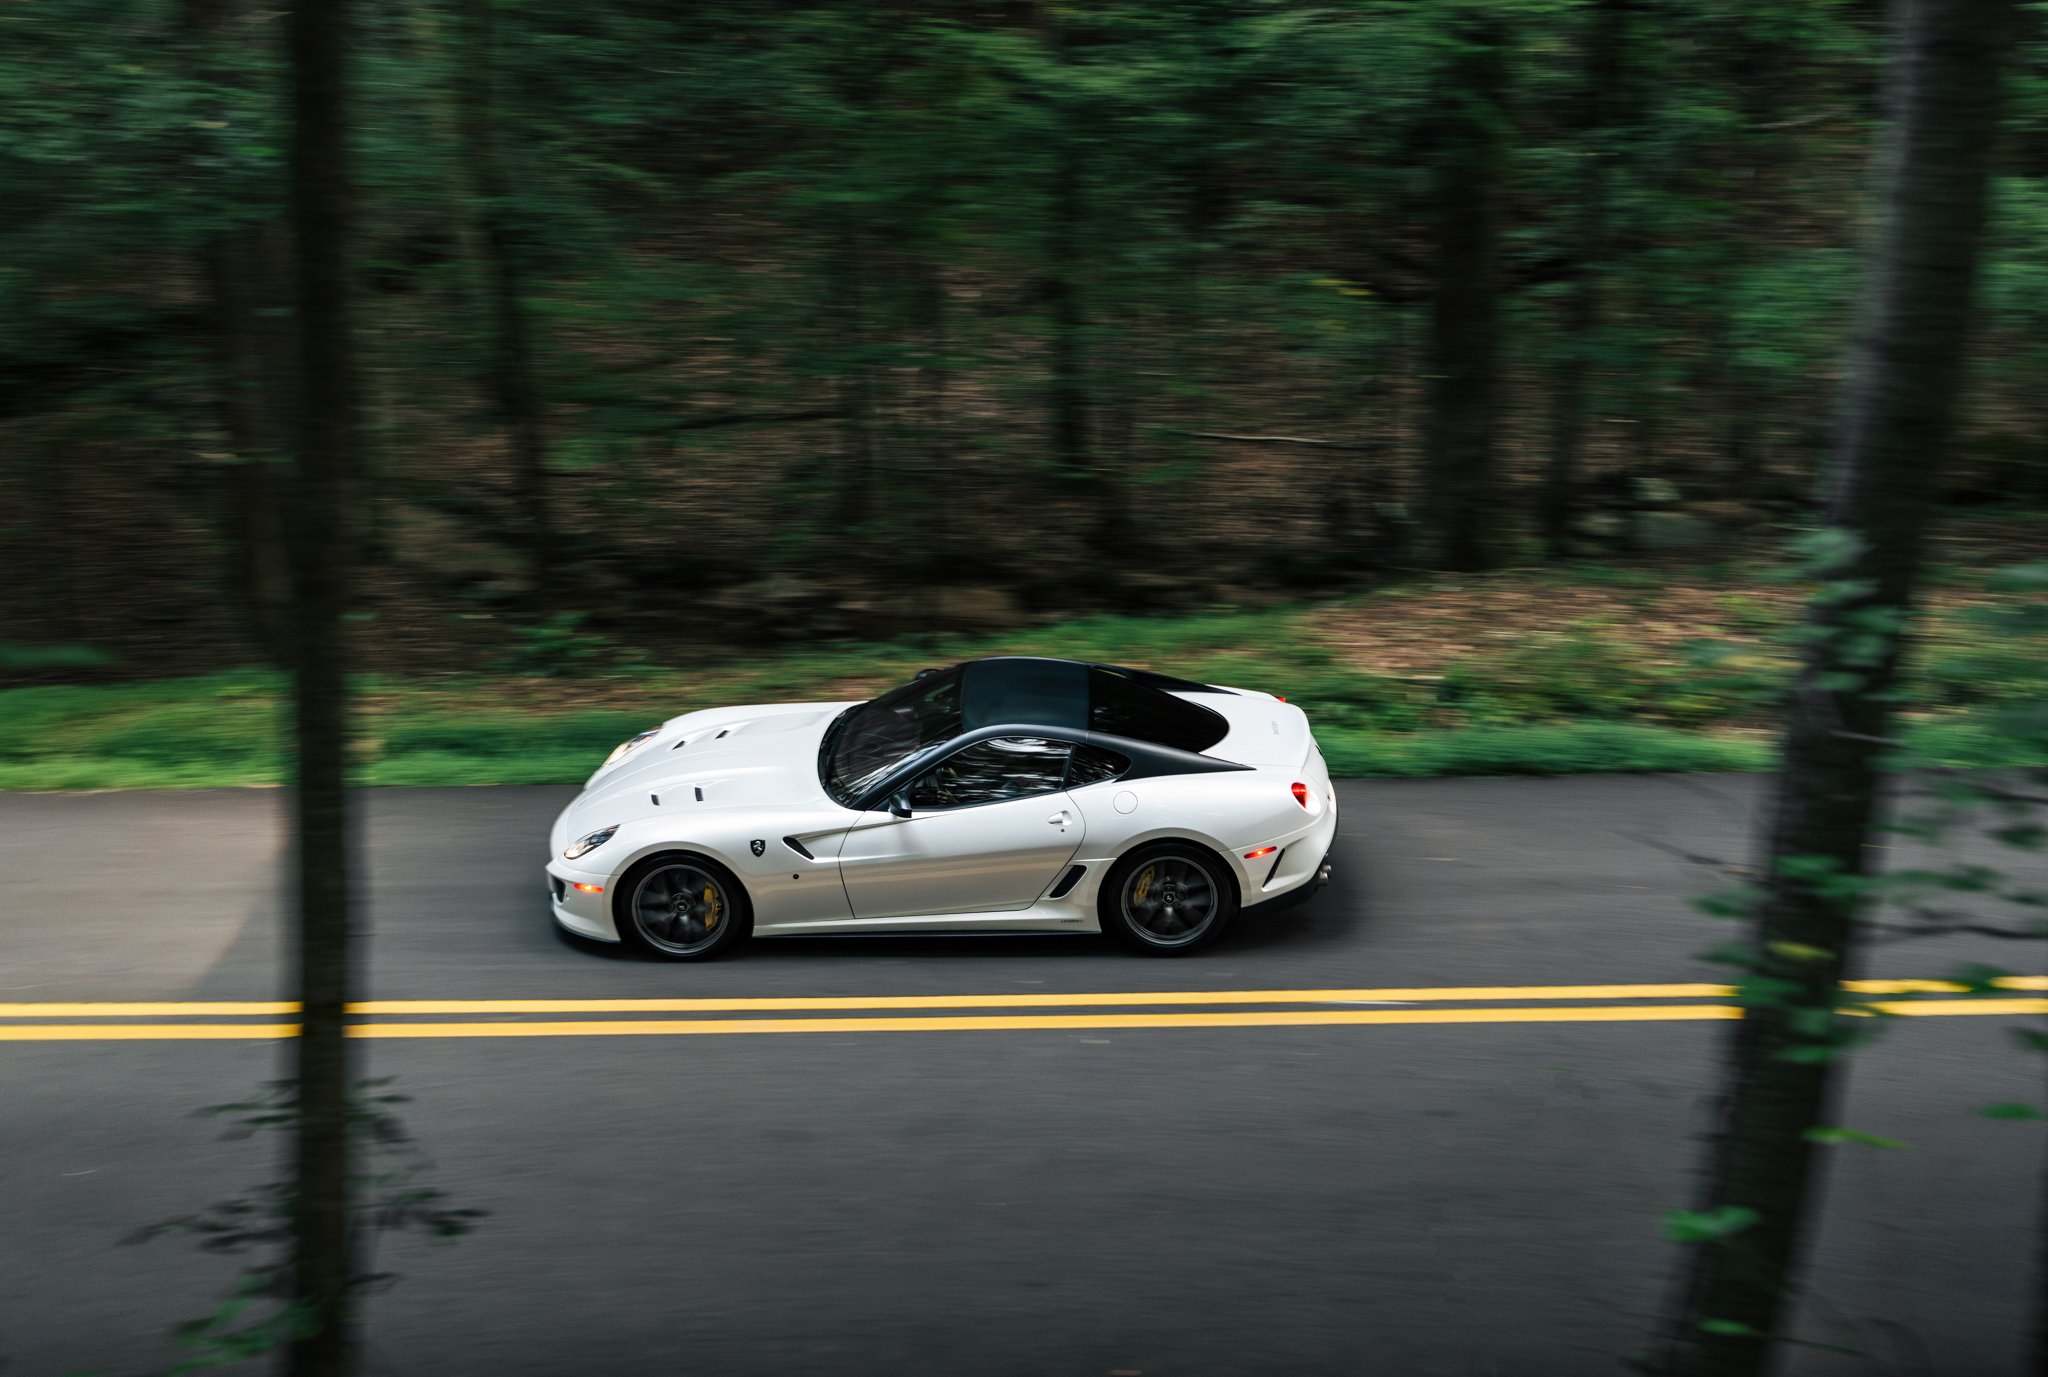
(1058,819)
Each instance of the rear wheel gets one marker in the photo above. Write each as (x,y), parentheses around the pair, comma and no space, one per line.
(681,908)
(1168,898)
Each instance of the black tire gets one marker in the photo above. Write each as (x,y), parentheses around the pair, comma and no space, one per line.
(681,906)
(1168,898)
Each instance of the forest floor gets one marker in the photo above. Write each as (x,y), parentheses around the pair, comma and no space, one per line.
(1561,670)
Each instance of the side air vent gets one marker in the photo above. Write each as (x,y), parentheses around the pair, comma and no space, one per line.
(793,844)
(1068,881)
(700,793)
(1276,865)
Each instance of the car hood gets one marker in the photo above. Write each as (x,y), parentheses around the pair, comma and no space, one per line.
(758,756)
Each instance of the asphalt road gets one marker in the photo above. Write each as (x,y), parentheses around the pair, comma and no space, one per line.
(1454,1198)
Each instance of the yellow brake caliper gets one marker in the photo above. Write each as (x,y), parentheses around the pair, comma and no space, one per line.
(711,898)
(1143,887)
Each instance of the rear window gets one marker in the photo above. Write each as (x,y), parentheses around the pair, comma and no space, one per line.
(1119,706)
(1094,765)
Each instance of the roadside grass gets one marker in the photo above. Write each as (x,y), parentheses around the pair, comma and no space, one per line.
(1584,669)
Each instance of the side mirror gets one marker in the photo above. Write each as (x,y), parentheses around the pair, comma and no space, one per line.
(899,804)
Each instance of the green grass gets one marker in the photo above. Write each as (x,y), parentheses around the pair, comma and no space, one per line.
(1574,696)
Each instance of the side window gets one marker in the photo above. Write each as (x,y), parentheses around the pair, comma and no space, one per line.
(1094,765)
(1002,767)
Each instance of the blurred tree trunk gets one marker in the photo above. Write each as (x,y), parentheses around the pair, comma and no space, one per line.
(935,440)
(1067,401)
(249,294)
(1464,345)
(1070,403)
(322,202)
(1892,434)
(1601,106)
(847,288)
(515,389)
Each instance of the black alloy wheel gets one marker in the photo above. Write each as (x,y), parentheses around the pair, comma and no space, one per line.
(681,908)
(1169,898)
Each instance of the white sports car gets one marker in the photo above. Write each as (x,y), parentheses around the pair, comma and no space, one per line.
(1001,795)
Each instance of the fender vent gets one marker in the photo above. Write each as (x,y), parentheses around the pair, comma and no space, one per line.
(1276,865)
(1068,881)
(700,793)
(793,844)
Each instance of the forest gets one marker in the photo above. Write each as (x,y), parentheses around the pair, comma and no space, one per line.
(434,393)
(755,323)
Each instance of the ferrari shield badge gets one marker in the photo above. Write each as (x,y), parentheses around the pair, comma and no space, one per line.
(757,846)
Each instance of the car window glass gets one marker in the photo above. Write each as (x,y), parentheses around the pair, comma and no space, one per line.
(876,737)
(1119,706)
(1094,765)
(1002,767)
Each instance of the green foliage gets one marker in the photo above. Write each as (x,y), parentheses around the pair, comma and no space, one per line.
(1572,673)
(390,1195)
(2013,1112)
(1717,1225)
(1582,697)
(17,659)
(1831,1136)
(557,646)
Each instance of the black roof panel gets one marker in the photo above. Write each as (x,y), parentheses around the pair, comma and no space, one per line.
(1078,696)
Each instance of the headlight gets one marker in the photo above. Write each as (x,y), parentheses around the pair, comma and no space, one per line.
(590,843)
(627,747)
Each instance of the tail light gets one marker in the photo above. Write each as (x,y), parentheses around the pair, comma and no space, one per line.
(1301,793)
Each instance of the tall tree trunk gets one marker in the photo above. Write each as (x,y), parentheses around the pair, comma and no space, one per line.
(322,201)
(249,291)
(1892,434)
(934,427)
(247,278)
(852,331)
(1067,402)
(1599,103)
(515,389)
(1464,345)
(2037,1363)
(1072,424)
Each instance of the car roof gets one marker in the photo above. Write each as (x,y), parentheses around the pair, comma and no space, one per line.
(1081,695)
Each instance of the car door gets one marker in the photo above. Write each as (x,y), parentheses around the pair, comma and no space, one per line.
(990,828)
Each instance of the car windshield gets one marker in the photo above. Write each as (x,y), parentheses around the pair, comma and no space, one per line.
(874,738)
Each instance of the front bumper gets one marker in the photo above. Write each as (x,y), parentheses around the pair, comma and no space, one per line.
(581,912)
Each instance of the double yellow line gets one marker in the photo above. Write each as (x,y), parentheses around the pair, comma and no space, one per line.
(518,1018)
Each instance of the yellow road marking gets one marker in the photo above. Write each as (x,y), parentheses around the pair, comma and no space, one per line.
(795,1003)
(1271,1018)
(143,1032)
(1919,1008)
(224,1009)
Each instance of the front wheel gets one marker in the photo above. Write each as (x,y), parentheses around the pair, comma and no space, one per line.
(1168,899)
(681,908)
